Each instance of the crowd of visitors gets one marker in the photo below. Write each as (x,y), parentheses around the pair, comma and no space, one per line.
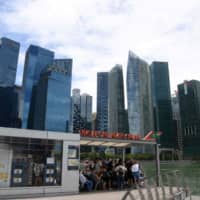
(110,174)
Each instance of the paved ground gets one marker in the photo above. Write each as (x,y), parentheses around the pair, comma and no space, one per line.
(95,196)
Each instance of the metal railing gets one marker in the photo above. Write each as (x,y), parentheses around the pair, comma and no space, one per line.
(172,186)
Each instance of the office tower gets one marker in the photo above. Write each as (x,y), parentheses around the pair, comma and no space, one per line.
(86,111)
(126,125)
(36,60)
(189,102)
(51,103)
(116,110)
(9,52)
(139,96)
(177,124)
(102,101)
(76,110)
(94,121)
(9,107)
(162,106)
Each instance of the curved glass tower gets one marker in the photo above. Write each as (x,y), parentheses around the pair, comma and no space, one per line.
(116,111)
(140,115)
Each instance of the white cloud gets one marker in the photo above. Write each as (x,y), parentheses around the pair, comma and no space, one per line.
(98,33)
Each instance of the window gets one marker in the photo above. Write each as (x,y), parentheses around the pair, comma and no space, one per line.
(30,162)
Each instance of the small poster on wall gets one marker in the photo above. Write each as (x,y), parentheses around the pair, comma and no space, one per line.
(72,153)
(5,167)
(50,160)
(73,158)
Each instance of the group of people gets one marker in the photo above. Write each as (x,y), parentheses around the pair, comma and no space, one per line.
(110,174)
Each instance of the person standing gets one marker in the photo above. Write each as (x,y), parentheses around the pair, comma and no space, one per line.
(120,174)
(135,169)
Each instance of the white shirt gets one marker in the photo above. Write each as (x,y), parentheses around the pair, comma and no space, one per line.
(82,178)
(122,167)
(135,168)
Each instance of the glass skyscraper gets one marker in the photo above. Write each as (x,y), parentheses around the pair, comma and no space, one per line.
(189,102)
(51,103)
(162,105)
(36,60)
(76,110)
(81,115)
(9,52)
(86,110)
(9,107)
(139,96)
(116,107)
(102,101)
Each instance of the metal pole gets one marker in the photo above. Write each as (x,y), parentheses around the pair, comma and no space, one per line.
(123,156)
(157,149)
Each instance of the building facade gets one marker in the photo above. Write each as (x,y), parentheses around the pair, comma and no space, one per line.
(38,163)
(102,101)
(189,102)
(9,108)
(94,121)
(51,104)
(177,123)
(140,115)
(76,111)
(162,105)
(36,60)
(116,107)
(9,53)
(86,110)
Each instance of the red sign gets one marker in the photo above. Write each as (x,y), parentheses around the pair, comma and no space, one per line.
(102,134)
(151,136)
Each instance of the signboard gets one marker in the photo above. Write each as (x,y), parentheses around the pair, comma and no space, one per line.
(152,136)
(50,160)
(5,167)
(102,134)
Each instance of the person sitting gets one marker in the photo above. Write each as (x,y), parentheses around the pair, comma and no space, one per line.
(85,182)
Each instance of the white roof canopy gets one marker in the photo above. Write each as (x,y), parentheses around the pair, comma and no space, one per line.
(109,142)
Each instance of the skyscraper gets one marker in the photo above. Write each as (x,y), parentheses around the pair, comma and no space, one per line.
(86,110)
(102,101)
(116,109)
(36,60)
(9,52)
(177,123)
(162,106)
(139,96)
(76,110)
(51,103)
(81,111)
(189,102)
(9,107)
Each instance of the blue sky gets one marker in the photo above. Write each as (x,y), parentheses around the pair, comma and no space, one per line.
(97,34)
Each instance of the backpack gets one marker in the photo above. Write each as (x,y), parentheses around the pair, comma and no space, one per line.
(121,172)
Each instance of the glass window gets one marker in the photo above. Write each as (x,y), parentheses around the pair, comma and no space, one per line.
(30,162)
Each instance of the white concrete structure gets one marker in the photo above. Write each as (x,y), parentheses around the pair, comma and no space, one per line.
(69,178)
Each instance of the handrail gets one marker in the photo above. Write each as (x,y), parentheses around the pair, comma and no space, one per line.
(173,187)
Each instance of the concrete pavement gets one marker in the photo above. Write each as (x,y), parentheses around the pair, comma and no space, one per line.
(97,196)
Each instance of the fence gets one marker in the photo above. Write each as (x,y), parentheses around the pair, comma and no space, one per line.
(173,186)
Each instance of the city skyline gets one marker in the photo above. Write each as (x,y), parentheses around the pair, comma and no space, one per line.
(71,32)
